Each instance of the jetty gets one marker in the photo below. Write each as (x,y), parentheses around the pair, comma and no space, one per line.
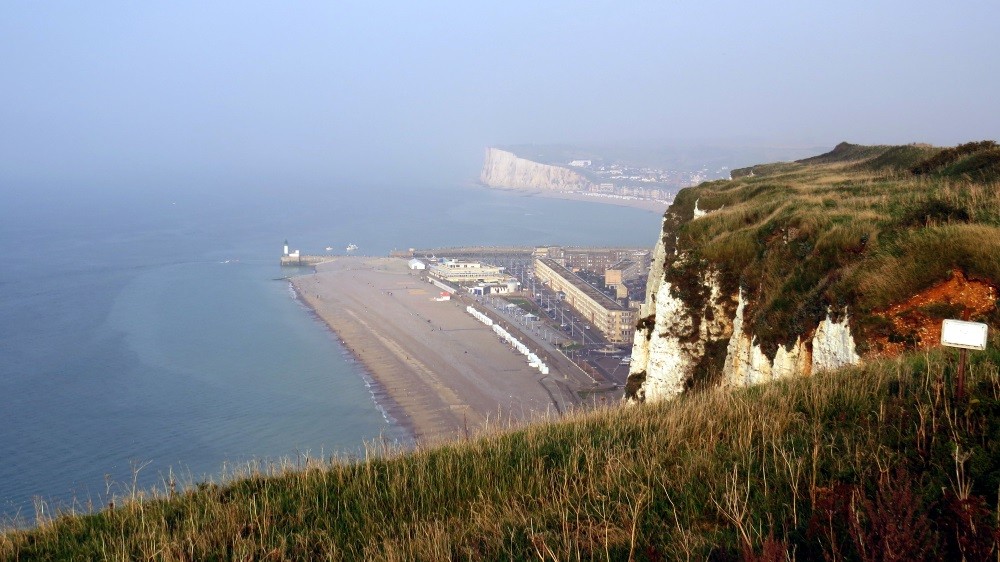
(298,260)
(293,258)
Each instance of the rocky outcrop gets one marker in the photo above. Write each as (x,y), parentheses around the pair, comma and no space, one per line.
(698,213)
(830,347)
(672,342)
(505,169)
(669,349)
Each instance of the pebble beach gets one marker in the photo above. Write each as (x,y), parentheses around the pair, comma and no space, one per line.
(439,372)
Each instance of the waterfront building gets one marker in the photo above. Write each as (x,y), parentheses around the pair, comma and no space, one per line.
(511,286)
(613,319)
(416,264)
(467,272)
(596,260)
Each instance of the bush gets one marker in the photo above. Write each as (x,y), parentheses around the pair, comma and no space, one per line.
(934,211)
(951,155)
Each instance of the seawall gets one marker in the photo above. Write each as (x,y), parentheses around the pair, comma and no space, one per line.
(293,261)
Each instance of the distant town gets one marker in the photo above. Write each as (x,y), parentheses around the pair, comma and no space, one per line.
(644,183)
(648,182)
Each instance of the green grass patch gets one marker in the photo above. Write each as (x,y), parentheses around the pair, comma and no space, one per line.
(525,305)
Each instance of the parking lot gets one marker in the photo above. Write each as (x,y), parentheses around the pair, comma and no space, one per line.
(545,311)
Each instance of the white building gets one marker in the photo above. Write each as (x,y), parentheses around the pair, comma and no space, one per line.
(467,272)
(511,286)
(416,264)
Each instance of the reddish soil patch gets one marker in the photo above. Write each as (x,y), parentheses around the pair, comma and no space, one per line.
(917,320)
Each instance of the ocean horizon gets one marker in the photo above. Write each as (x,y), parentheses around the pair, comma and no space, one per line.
(146,338)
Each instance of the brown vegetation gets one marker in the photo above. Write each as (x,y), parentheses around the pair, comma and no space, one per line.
(916,322)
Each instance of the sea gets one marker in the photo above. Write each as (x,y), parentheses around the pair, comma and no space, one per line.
(147,337)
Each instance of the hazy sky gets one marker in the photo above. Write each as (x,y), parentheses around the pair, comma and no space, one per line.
(195,92)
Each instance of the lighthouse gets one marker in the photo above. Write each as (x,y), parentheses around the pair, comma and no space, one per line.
(293,258)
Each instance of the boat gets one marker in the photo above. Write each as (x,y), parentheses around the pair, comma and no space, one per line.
(329,248)
(352,247)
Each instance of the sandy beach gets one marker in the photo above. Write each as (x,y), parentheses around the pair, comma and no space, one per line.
(444,373)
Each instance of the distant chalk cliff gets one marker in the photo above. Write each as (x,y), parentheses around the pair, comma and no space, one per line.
(505,169)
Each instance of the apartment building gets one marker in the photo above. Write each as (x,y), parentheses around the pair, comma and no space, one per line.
(611,318)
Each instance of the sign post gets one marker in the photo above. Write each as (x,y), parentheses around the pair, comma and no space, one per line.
(965,336)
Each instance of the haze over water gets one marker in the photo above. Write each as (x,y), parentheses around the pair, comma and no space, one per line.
(127,338)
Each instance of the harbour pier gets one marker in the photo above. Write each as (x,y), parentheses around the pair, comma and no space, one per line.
(293,258)
(303,260)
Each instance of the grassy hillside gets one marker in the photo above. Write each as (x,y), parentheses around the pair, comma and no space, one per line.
(862,229)
(877,463)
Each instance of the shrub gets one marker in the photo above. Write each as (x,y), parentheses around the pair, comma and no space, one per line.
(950,155)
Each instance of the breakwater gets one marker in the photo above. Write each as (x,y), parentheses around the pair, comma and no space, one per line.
(293,261)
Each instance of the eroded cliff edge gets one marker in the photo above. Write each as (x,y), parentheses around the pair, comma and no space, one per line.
(505,169)
(793,268)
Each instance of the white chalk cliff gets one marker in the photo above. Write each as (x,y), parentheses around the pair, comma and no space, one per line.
(505,169)
(668,349)
(830,347)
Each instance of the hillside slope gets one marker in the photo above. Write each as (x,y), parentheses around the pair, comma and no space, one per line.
(876,463)
(792,268)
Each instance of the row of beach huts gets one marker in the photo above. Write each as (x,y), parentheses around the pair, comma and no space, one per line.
(533,360)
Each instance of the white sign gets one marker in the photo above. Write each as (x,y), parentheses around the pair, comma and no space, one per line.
(967,335)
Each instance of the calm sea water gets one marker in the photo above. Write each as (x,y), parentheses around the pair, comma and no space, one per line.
(141,331)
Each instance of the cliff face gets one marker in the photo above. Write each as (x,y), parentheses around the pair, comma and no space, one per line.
(668,350)
(830,347)
(504,169)
(676,341)
(792,270)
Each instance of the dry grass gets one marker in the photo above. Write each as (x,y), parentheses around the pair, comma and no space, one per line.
(715,473)
(926,256)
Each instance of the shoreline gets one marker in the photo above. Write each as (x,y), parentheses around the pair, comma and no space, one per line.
(392,412)
(435,369)
(644,204)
